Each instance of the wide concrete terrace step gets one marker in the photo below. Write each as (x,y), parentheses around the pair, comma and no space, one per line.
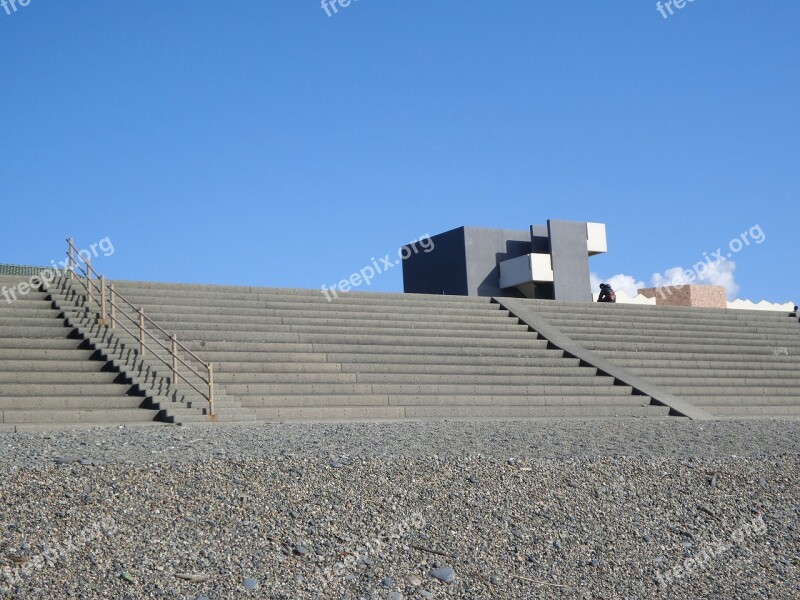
(728,362)
(293,354)
(48,380)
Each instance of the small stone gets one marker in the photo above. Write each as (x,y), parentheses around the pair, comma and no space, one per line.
(125,576)
(444,574)
(395,596)
(300,550)
(594,562)
(350,577)
(294,514)
(250,584)
(387,582)
(572,484)
(189,519)
(367,561)
(67,460)
(425,593)
(713,482)
(473,479)
(494,580)
(647,538)
(335,464)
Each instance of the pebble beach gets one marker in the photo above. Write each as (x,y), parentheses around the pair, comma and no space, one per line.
(463,509)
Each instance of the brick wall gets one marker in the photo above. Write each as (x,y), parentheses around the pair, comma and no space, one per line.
(706,296)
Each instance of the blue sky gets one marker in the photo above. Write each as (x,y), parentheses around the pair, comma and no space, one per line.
(265,143)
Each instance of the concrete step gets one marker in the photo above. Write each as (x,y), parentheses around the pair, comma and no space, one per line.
(713,358)
(289,309)
(503,339)
(241,390)
(628,310)
(691,380)
(57,377)
(726,342)
(727,390)
(585,378)
(118,415)
(444,412)
(299,413)
(713,401)
(43,331)
(351,334)
(771,411)
(258,369)
(767,364)
(256,358)
(469,369)
(306,302)
(690,347)
(196,319)
(719,325)
(301,295)
(330,400)
(536,348)
(291,292)
(64,389)
(46,319)
(745,372)
(17,298)
(541,358)
(69,402)
(330,326)
(54,366)
(31,309)
(601,331)
(21,344)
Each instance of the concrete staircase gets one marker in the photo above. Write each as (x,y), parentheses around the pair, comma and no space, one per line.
(732,363)
(183,402)
(291,354)
(49,377)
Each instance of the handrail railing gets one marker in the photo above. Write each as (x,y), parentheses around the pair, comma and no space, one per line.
(106,303)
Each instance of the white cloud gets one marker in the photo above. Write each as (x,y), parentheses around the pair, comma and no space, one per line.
(627,284)
(720,273)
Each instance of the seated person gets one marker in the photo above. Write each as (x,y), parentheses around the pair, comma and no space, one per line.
(606,293)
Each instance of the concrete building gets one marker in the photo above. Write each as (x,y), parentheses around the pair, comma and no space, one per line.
(546,262)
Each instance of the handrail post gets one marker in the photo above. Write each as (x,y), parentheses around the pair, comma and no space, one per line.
(71,258)
(89,279)
(174,359)
(103,308)
(141,332)
(113,302)
(211,390)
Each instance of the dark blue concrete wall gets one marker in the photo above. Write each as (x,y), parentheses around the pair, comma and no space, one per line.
(443,270)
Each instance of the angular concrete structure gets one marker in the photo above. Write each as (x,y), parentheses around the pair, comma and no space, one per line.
(546,262)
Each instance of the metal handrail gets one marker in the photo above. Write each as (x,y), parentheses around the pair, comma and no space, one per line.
(89,285)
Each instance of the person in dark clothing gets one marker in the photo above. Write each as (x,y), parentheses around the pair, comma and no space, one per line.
(606,293)
(794,312)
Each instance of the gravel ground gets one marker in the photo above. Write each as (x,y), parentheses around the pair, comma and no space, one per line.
(490,509)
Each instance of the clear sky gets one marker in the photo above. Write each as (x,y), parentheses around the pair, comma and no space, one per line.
(264,142)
